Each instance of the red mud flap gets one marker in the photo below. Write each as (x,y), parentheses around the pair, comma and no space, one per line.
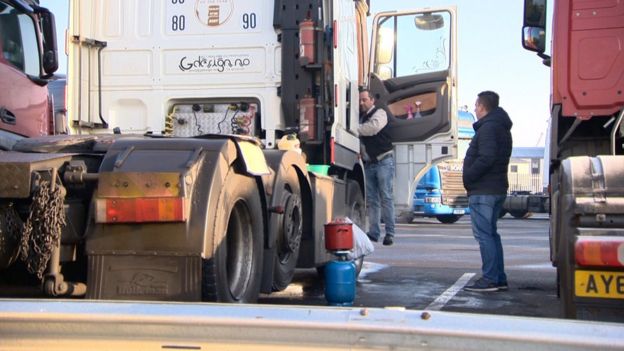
(144,277)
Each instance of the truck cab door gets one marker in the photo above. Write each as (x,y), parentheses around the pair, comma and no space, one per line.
(24,106)
(412,75)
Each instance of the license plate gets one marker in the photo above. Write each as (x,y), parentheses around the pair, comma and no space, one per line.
(459,212)
(609,285)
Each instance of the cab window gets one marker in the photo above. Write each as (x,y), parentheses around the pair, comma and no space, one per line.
(413,44)
(18,40)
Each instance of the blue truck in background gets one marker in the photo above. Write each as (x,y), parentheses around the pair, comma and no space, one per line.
(440,192)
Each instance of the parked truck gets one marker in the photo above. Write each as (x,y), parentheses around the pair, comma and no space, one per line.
(528,183)
(586,153)
(192,126)
(440,193)
(28,58)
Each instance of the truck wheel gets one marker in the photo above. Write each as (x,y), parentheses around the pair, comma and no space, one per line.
(448,219)
(357,214)
(233,271)
(290,229)
(405,218)
(519,214)
(9,224)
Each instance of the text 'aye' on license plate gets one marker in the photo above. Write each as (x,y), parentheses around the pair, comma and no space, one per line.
(600,284)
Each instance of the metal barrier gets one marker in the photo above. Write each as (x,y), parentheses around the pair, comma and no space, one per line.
(94,325)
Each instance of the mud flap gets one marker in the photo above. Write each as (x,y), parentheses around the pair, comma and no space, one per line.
(144,277)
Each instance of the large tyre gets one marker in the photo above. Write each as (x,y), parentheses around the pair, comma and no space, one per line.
(448,219)
(290,229)
(357,214)
(9,248)
(233,271)
(405,218)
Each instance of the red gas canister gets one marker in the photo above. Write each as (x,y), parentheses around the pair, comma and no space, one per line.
(339,235)
(306,42)
(307,118)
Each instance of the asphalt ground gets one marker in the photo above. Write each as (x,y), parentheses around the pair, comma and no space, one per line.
(430,263)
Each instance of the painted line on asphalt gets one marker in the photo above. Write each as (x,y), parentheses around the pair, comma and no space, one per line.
(546,266)
(446,296)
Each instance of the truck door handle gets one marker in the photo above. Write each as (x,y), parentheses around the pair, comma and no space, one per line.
(6,116)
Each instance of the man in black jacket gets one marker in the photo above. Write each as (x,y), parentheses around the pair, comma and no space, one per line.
(485,179)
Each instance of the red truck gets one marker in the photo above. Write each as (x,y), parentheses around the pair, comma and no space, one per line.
(586,151)
(28,59)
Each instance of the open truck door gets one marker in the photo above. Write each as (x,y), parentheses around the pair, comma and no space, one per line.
(412,75)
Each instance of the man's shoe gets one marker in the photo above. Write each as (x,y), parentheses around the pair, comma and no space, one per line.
(371,238)
(388,240)
(482,285)
(502,286)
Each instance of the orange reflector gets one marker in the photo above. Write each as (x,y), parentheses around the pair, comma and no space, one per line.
(599,251)
(332,151)
(140,210)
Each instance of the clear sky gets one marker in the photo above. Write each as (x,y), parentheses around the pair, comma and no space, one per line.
(490,55)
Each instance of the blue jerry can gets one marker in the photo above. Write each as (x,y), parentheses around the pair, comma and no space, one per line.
(340,283)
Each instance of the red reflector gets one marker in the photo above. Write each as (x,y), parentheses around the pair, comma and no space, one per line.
(140,210)
(600,251)
(335,34)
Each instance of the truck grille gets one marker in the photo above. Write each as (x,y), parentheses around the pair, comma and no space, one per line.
(453,191)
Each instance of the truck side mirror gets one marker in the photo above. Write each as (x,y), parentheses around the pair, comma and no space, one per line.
(534,39)
(50,52)
(385,46)
(428,21)
(534,28)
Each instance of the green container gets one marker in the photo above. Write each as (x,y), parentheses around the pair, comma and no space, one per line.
(319,169)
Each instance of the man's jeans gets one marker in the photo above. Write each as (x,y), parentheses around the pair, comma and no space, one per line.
(484,211)
(379,196)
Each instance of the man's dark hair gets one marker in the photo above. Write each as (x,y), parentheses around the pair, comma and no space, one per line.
(365,90)
(488,99)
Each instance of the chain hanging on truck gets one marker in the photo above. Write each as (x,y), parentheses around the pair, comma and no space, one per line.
(42,230)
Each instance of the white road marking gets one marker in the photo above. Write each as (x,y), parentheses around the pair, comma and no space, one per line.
(546,266)
(446,296)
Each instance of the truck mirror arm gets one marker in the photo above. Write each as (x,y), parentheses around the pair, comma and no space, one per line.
(545,58)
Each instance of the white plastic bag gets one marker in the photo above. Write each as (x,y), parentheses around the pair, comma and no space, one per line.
(362,245)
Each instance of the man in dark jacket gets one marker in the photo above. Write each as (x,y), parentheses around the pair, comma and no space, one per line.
(378,168)
(485,179)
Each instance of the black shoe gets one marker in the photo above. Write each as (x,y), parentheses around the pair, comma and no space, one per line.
(482,285)
(371,238)
(502,286)
(388,240)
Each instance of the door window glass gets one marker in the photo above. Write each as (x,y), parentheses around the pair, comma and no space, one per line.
(413,44)
(18,40)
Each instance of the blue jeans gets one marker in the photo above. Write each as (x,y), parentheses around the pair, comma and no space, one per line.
(379,196)
(484,211)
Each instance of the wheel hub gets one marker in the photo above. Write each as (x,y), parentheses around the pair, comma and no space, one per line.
(291,225)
